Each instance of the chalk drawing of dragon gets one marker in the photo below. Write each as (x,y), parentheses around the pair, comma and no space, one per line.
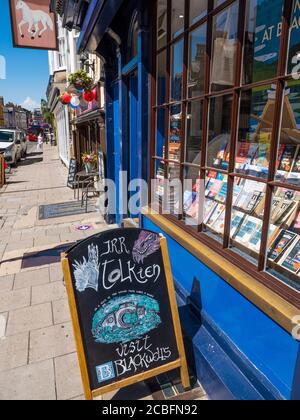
(147,244)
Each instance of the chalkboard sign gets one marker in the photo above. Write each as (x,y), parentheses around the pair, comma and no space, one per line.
(73,169)
(124,311)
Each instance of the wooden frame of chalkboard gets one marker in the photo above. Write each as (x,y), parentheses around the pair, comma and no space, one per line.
(81,346)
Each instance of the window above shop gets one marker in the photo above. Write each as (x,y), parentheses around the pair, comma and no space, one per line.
(227,120)
(73,12)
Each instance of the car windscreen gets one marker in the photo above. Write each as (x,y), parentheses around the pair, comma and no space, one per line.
(6,137)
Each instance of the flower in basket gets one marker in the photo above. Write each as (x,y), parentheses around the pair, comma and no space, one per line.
(81,80)
(90,158)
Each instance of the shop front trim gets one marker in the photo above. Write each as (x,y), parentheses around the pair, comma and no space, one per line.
(239,330)
(269,302)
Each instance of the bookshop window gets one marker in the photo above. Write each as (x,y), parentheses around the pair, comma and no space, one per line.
(177,22)
(162,78)
(177,71)
(255,130)
(194,132)
(198,9)
(196,72)
(219,131)
(283,257)
(214,203)
(248,206)
(161,23)
(262,40)
(192,199)
(288,162)
(159,182)
(218,2)
(161,115)
(175,133)
(225,107)
(224,48)
(294,51)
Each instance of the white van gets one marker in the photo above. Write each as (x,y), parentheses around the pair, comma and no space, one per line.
(10,146)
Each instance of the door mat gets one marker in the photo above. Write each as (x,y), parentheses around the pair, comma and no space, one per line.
(71,208)
(168,387)
(48,256)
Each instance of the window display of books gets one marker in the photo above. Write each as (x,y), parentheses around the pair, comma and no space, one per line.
(248,215)
(160,183)
(253,159)
(291,260)
(248,205)
(175,151)
(282,243)
(174,173)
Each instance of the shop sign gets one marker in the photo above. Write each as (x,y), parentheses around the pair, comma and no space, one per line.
(124,312)
(33,25)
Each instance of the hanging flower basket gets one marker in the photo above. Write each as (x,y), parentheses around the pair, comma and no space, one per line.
(71,89)
(65,98)
(89,96)
(81,80)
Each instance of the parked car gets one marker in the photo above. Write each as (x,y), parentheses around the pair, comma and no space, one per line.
(10,145)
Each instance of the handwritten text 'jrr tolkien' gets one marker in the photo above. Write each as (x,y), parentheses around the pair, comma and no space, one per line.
(116,271)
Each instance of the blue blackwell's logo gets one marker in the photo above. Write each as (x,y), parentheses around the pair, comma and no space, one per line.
(125,318)
(105,372)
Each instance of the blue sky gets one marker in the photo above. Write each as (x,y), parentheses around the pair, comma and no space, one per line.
(27,71)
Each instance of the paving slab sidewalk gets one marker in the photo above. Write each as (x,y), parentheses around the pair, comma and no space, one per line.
(37,350)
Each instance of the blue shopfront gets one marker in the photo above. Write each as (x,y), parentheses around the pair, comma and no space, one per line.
(192,93)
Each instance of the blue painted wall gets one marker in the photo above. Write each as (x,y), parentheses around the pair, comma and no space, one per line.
(267,346)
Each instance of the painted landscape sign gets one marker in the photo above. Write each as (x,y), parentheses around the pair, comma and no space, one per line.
(124,310)
(33,25)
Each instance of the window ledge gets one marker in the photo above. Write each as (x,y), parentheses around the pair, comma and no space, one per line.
(269,302)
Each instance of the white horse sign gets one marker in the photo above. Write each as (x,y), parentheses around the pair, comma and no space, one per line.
(33,25)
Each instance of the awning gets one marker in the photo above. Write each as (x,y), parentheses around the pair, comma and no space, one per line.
(89,116)
(98,19)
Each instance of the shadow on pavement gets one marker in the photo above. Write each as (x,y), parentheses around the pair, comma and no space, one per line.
(34,154)
(30,161)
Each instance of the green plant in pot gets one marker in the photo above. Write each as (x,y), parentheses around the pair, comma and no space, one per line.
(81,80)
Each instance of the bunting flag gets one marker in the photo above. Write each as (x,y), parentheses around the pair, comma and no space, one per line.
(33,25)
